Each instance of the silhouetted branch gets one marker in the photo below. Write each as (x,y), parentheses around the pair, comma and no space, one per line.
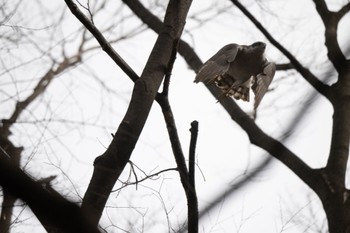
(163,100)
(192,153)
(193,217)
(344,10)
(284,66)
(105,45)
(190,192)
(52,210)
(330,20)
(170,68)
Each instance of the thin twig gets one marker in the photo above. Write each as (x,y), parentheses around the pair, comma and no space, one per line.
(145,178)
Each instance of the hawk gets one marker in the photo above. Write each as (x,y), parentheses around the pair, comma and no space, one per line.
(235,68)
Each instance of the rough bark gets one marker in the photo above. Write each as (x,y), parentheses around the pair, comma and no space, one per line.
(108,166)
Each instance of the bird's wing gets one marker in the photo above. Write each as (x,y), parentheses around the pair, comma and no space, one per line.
(217,64)
(262,81)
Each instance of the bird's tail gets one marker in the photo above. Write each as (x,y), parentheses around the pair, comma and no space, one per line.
(239,93)
(229,87)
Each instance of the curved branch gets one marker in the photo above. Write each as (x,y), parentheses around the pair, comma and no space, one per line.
(306,73)
(105,45)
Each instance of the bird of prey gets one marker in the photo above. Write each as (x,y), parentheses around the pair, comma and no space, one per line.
(235,68)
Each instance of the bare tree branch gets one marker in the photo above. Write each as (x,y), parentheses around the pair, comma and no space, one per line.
(105,45)
(284,66)
(163,100)
(344,10)
(111,163)
(192,153)
(330,20)
(125,184)
(52,210)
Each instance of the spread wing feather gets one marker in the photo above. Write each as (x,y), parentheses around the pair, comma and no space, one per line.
(217,64)
(262,81)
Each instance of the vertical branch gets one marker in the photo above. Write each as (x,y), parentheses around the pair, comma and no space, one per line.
(339,152)
(192,153)
(330,20)
(163,100)
(193,208)
(185,176)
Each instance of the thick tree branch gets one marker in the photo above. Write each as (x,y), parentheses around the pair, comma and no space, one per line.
(52,210)
(339,152)
(105,45)
(108,166)
(306,73)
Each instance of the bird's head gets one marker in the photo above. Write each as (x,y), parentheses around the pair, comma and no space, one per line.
(258,45)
